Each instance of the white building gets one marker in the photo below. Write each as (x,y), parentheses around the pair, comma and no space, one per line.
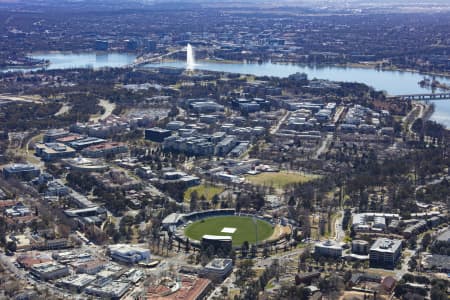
(328,248)
(128,253)
(218,269)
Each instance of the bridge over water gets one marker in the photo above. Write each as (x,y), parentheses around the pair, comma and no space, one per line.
(143,60)
(422,97)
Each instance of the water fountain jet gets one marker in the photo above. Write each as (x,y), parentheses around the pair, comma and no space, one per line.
(190,58)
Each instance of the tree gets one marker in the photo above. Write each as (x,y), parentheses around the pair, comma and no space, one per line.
(244,249)
(245,272)
(193,203)
(188,245)
(11,246)
(347,276)
(215,200)
(253,251)
(426,239)
(412,264)
(291,201)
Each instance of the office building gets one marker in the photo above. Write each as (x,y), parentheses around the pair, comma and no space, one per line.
(21,171)
(76,282)
(360,247)
(385,253)
(49,270)
(53,151)
(157,134)
(328,248)
(217,242)
(109,290)
(128,254)
(105,149)
(218,269)
(53,134)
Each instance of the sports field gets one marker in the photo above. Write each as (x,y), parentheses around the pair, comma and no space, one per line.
(279,179)
(206,190)
(244,229)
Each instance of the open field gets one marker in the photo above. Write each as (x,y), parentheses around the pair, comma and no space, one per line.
(207,190)
(245,229)
(279,179)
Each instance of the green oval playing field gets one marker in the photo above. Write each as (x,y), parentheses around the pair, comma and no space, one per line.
(240,228)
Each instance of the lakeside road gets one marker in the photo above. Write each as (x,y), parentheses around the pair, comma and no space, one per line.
(108,107)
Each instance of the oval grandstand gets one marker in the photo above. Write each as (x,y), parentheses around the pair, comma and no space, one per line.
(177,223)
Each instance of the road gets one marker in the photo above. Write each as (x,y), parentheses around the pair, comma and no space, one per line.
(275,128)
(417,112)
(399,273)
(145,60)
(337,115)
(432,182)
(324,145)
(108,107)
(22,275)
(340,233)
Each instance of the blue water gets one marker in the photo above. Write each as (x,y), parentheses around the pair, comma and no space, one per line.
(68,60)
(393,82)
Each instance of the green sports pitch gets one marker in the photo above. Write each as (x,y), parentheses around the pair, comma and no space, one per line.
(245,229)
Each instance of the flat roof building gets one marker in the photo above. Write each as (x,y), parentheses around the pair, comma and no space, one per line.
(76,282)
(129,254)
(157,134)
(53,151)
(218,269)
(385,253)
(82,164)
(188,288)
(111,290)
(105,149)
(54,134)
(49,270)
(328,248)
(21,171)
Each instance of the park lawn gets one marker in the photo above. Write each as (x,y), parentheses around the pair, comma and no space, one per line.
(279,179)
(207,190)
(245,229)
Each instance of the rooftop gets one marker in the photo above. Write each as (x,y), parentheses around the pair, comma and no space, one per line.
(218,237)
(386,245)
(219,263)
(444,236)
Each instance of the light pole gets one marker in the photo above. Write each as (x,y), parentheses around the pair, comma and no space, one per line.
(256,230)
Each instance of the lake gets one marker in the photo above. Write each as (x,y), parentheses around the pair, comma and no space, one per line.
(393,82)
(68,60)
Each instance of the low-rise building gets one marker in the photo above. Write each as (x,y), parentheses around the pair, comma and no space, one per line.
(86,142)
(49,270)
(328,248)
(105,149)
(53,134)
(110,290)
(218,269)
(306,278)
(53,151)
(82,164)
(360,247)
(129,254)
(21,171)
(76,282)
(188,288)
